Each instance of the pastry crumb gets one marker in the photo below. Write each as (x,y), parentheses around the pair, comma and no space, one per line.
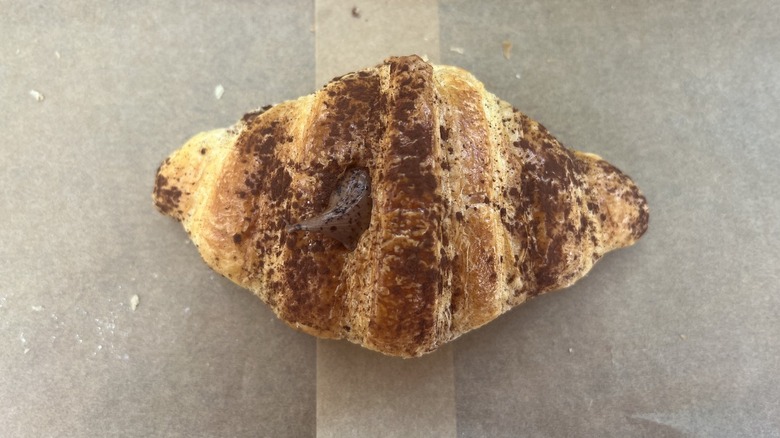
(571,350)
(134,300)
(355,12)
(506,47)
(219,90)
(37,95)
(683,337)
(458,50)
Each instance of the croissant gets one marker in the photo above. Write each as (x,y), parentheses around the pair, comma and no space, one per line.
(397,207)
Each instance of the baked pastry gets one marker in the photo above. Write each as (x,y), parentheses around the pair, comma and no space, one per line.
(397,207)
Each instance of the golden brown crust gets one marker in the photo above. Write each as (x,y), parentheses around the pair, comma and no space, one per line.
(475,207)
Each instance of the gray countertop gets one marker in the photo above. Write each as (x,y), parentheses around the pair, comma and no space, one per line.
(677,336)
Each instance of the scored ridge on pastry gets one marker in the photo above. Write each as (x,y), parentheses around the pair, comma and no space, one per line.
(398,207)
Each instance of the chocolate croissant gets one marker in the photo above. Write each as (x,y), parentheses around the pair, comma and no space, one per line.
(397,207)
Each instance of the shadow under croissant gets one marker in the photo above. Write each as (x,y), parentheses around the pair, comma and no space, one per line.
(398,207)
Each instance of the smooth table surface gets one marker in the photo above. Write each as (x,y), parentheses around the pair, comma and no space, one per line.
(677,336)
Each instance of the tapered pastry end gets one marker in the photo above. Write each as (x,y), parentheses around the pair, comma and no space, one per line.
(179,176)
(617,202)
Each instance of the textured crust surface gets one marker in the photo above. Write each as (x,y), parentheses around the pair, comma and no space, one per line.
(475,208)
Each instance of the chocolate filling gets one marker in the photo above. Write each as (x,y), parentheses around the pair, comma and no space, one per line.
(348,213)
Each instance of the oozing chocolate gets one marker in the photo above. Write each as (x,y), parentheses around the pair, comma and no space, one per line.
(349,211)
